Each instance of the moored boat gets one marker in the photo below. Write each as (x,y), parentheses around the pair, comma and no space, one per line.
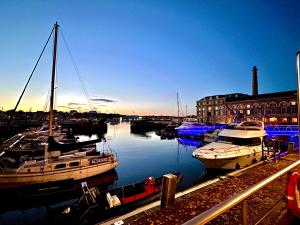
(237,147)
(98,205)
(61,161)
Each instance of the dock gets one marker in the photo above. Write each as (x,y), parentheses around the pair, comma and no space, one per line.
(202,197)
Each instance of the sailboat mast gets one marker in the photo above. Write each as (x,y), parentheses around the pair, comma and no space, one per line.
(53,81)
(177,108)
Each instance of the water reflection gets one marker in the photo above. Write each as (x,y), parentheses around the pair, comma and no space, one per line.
(34,204)
(140,156)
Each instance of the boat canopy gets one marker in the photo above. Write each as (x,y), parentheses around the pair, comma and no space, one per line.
(54,145)
(237,133)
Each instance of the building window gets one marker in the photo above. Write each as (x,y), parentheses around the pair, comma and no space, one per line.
(273,111)
(248,111)
(294,120)
(293,110)
(284,120)
(283,110)
(273,120)
(209,108)
(217,108)
(293,103)
(241,111)
(248,106)
(255,111)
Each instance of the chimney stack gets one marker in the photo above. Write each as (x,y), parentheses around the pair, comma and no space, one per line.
(254,81)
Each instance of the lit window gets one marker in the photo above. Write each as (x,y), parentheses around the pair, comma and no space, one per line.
(273,120)
(293,103)
(241,111)
(217,107)
(294,120)
(248,106)
(209,108)
(284,120)
(248,111)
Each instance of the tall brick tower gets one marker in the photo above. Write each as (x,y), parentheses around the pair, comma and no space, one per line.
(254,81)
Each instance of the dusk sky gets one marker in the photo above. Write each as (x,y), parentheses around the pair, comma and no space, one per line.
(135,55)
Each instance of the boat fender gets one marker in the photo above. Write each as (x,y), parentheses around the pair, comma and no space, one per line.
(112,201)
(109,200)
(293,197)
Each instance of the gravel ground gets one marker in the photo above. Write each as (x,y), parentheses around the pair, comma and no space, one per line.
(185,208)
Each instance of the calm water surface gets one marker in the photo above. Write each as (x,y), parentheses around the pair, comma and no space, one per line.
(144,156)
(140,156)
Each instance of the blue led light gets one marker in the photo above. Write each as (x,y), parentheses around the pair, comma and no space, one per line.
(190,142)
(271,130)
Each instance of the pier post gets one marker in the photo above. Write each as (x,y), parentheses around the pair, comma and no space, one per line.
(245,213)
(168,190)
(291,147)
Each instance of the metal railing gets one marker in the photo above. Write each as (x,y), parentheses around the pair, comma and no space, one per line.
(224,206)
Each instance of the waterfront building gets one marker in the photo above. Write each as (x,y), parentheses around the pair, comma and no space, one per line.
(272,108)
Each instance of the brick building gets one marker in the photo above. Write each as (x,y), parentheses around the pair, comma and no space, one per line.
(277,107)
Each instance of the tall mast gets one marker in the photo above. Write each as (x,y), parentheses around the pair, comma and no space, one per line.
(177,108)
(186,111)
(53,80)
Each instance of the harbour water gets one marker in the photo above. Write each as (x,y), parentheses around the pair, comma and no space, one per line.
(140,156)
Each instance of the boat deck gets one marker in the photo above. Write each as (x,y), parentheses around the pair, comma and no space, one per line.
(201,198)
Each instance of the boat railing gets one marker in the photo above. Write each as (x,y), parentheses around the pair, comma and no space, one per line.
(229,150)
(241,197)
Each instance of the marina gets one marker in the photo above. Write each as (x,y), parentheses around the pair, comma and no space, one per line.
(167,155)
(139,113)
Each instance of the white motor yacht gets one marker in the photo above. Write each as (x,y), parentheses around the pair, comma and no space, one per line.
(237,147)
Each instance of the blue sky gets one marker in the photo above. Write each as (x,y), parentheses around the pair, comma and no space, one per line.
(140,53)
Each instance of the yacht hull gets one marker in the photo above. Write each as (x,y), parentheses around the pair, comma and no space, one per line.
(232,163)
(10,180)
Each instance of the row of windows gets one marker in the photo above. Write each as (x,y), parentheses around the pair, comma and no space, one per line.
(63,165)
(210,108)
(210,102)
(269,111)
(208,114)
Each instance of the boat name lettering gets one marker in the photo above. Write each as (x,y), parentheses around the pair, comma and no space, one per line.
(98,160)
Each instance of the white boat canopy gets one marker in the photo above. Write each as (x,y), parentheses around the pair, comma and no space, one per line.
(236,133)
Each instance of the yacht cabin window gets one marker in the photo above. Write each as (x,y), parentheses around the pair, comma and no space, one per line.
(242,141)
(60,166)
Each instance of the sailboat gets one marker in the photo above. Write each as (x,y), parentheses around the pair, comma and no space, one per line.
(60,162)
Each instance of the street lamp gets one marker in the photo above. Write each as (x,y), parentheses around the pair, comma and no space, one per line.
(298,97)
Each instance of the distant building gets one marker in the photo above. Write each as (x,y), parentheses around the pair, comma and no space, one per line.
(277,107)
(212,109)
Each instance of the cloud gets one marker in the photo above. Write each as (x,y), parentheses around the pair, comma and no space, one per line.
(99,105)
(105,100)
(75,104)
